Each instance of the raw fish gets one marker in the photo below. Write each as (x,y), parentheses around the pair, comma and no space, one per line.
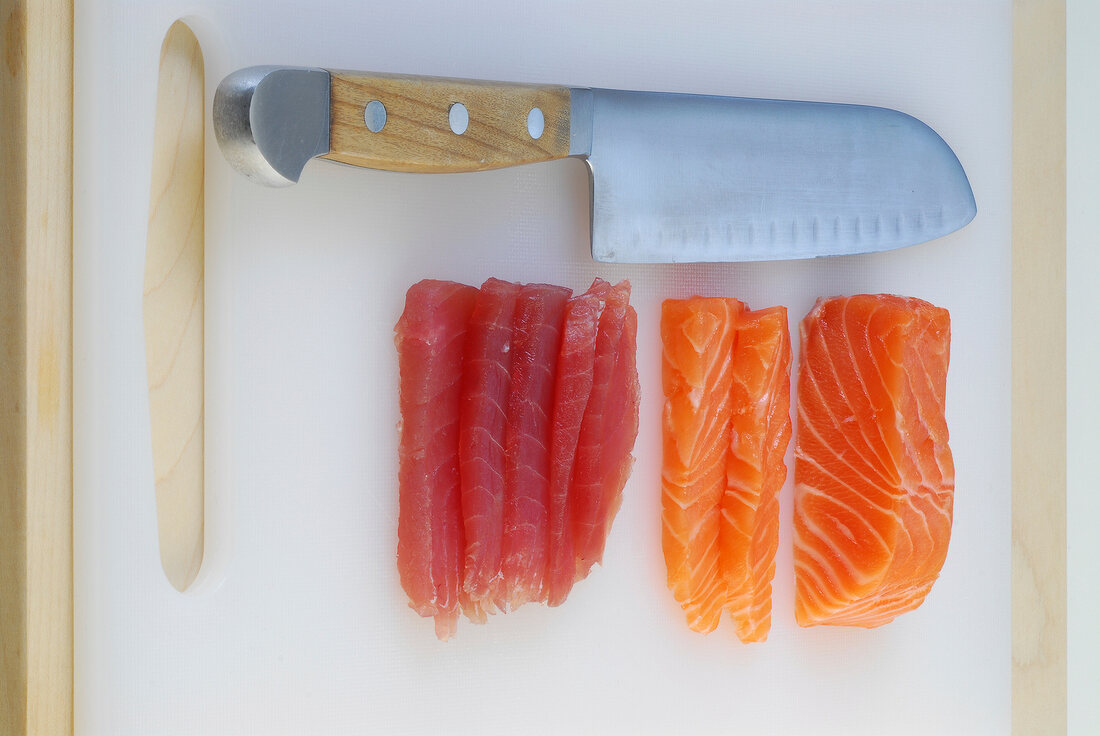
(536,341)
(760,429)
(486,386)
(430,337)
(874,476)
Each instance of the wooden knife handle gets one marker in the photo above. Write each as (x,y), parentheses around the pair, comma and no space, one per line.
(417,133)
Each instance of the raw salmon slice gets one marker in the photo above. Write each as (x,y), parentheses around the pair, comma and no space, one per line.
(571,393)
(697,335)
(608,430)
(536,342)
(486,386)
(760,429)
(874,477)
(430,337)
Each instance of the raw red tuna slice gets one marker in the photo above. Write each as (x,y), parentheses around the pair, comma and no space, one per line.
(574,385)
(608,430)
(620,422)
(486,384)
(430,338)
(536,340)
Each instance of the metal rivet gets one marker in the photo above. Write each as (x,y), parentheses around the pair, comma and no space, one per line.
(459,118)
(536,123)
(374,115)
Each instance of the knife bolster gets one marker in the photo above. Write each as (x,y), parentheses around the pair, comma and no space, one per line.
(416,133)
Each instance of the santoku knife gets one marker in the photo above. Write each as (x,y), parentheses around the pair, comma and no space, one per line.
(674,177)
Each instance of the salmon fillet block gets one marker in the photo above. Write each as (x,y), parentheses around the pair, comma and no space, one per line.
(874,476)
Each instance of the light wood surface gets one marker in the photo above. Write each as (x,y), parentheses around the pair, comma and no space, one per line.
(417,135)
(35,367)
(36,604)
(1039,368)
(172,305)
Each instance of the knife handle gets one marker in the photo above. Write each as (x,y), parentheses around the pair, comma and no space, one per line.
(408,123)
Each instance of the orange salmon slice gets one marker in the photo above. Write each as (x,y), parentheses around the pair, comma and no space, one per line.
(760,430)
(874,476)
(697,335)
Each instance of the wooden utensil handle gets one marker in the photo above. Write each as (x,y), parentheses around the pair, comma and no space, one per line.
(408,125)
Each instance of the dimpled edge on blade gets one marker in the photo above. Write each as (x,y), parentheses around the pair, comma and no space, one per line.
(795,180)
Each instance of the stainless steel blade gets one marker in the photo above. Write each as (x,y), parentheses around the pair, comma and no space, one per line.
(692,178)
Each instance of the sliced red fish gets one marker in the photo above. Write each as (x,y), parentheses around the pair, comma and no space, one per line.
(486,386)
(430,337)
(536,341)
(571,394)
(874,476)
(608,429)
(760,429)
(620,417)
(697,335)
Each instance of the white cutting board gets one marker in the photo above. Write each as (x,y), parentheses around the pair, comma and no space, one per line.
(298,624)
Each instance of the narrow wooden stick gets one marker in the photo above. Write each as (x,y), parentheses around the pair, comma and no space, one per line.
(173,306)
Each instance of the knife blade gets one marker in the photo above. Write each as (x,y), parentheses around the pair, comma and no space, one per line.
(674,177)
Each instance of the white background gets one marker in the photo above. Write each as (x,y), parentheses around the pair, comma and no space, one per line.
(1083,361)
(298,624)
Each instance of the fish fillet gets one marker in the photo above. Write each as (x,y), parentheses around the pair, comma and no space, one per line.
(608,430)
(536,341)
(571,394)
(760,429)
(874,476)
(486,386)
(697,336)
(430,338)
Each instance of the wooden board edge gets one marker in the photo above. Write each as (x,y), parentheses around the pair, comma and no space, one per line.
(36,436)
(1039,367)
(36,584)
